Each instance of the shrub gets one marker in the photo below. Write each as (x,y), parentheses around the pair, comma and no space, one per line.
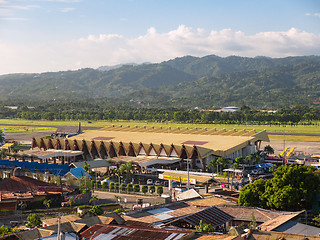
(144,189)
(96,210)
(136,188)
(119,210)
(33,221)
(111,186)
(129,187)
(92,183)
(151,189)
(159,190)
(116,186)
(98,184)
(123,187)
(105,185)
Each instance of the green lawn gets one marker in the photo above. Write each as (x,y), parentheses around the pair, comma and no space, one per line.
(24,129)
(295,138)
(288,128)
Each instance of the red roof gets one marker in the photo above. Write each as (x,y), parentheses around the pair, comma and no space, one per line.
(25,184)
(117,232)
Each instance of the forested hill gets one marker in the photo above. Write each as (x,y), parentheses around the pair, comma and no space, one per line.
(188,82)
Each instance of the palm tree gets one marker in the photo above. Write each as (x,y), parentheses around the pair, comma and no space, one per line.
(126,168)
(70,201)
(269,149)
(94,199)
(249,159)
(47,203)
(212,165)
(2,138)
(2,154)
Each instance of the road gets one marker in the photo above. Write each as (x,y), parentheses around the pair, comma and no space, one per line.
(108,197)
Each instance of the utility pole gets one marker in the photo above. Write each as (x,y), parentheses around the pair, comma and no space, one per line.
(188,185)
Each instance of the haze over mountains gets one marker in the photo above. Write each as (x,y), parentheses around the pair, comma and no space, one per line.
(260,82)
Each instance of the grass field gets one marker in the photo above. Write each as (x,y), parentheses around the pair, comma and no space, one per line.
(281,129)
(24,129)
(294,138)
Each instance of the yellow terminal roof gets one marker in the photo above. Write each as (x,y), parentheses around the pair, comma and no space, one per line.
(207,142)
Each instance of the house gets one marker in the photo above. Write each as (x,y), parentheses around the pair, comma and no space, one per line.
(212,215)
(101,231)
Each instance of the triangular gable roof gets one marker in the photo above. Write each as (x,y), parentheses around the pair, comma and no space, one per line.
(212,215)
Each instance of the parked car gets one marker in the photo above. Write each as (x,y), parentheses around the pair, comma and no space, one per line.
(149,182)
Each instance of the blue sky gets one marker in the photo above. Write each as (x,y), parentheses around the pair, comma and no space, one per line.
(53,35)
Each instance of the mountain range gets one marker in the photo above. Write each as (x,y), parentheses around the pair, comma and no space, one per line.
(260,82)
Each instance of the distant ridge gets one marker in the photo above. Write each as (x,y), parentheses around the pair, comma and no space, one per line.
(181,82)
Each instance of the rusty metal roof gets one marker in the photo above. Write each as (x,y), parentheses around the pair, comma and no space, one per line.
(161,212)
(116,232)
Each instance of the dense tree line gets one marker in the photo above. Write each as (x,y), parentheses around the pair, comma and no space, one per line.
(89,111)
(293,187)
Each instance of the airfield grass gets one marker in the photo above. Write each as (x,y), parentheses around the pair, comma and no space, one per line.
(269,128)
(26,129)
(294,138)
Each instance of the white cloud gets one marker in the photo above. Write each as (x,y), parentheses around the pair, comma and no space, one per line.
(109,49)
(65,10)
(63,1)
(14,19)
(313,14)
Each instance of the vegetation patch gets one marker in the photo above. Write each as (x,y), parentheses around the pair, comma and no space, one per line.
(26,129)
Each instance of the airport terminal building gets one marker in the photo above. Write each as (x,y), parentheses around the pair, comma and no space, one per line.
(199,146)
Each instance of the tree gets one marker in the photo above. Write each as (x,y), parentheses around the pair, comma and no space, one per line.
(129,187)
(105,185)
(269,150)
(316,220)
(151,189)
(87,167)
(213,165)
(70,201)
(136,188)
(293,187)
(2,154)
(204,227)
(47,203)
(98,184)
(111,186)
(85,184)
(253,194)
(123,187)
(94,199)
(253,222)
(33,220)
(126,168)
(96,210)
(144,189)
(116,186)
(159,190)
(2,138)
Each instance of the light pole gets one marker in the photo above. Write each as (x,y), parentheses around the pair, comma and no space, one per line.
(188,186)
(119,180)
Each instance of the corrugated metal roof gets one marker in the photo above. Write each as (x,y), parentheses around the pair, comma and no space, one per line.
(132,232)
(212,201)
(278,221)
(93,164)
(168,211)
(212,215)
(54,168)
(298,228)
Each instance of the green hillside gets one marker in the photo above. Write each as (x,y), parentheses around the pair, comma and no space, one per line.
(183,82)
